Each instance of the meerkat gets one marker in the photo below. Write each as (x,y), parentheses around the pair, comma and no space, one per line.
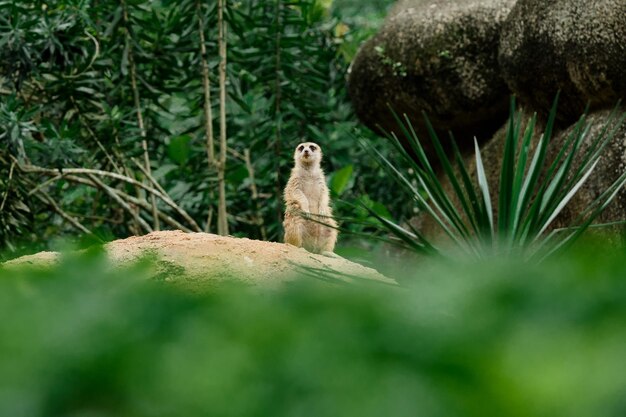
(306,195)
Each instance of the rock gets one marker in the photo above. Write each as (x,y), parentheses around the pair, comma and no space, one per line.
(437,56)
(576,46)
(610,167)
(202,260)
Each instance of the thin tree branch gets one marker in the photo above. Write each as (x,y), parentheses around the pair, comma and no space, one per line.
(209,220)
(95,55)
(140,123)
(46,199)
(255,194)
(236,154)
(84,171)
(93,135)
(109,191)
(134,200)
(146,206)
(6,192)
(44,184)
(169,200)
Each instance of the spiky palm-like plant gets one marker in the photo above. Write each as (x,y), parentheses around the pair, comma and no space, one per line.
(533,189)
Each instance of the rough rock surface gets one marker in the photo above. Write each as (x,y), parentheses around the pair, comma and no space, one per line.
(610,167)
(202,260)
(576,46)
(437,56)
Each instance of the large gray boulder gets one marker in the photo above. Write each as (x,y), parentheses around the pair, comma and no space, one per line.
(576,46)
(437,56)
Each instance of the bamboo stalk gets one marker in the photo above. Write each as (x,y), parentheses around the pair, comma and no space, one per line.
(222,220)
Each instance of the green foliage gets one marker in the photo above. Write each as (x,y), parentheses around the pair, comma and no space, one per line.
(486,339)
(67,101)
(532,190)
(359,21)
(179,149)
(340,179)
(397,69)
(15,215)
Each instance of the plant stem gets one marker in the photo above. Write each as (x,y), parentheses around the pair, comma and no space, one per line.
(109,191)
(255,194)
(6,192)
(222,220)
(277,111)
(156,184)
(93,135)
(130,199)
(137,101)
(208,112)
(45,198)
(206,86)
(84,171)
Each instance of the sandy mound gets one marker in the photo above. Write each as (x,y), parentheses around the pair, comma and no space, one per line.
(202,259)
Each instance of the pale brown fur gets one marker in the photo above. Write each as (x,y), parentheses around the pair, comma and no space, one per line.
(306,194)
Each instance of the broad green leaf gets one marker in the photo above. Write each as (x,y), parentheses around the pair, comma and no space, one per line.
(179,149)
(340,180)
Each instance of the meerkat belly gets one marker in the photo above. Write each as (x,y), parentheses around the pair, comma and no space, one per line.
(312,191)
(312,229)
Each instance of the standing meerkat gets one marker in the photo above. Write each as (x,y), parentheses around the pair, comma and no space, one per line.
(306,193)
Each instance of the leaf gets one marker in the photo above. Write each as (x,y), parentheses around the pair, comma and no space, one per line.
(179,149)
(483,184)
(341,179)
(161,172)
(124,63)
(381,210)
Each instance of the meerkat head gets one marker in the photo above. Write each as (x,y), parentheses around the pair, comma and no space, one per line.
(308,154)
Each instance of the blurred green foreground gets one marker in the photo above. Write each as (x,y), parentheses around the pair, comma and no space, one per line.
(490,339)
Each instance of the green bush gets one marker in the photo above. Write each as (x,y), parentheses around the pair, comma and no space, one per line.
(68,101)
(469,339)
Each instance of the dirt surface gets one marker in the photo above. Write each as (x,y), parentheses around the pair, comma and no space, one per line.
(203,260)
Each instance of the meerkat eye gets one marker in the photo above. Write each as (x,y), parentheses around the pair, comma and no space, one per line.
(300,148)
(313,148)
